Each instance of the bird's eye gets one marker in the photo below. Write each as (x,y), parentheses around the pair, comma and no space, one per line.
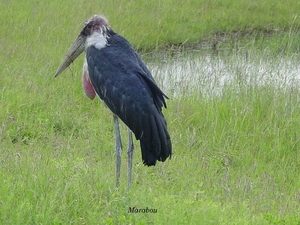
(86,30)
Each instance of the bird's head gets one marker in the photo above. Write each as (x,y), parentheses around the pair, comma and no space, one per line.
(96,23)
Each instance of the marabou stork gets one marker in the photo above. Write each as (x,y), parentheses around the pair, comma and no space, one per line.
(114,71)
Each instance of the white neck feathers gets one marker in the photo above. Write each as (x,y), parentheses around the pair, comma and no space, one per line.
(97,39)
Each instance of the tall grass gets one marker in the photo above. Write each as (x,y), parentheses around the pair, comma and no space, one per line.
(233,116)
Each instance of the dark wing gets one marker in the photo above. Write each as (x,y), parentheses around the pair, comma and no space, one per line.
(126,86)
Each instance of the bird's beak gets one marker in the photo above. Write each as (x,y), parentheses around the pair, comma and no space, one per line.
(75,50)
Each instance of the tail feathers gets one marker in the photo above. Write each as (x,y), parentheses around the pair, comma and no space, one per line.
(148,157)
(155,141)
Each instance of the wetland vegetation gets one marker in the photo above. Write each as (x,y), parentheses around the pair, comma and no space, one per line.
(231,71)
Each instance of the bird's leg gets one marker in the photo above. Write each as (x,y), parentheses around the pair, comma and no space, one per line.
(130,154)
(118,149)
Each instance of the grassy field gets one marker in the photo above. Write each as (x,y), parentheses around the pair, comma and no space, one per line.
(236,154)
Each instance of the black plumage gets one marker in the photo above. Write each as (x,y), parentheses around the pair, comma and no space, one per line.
(124,83)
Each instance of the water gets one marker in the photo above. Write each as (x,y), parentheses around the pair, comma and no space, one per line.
(208,73)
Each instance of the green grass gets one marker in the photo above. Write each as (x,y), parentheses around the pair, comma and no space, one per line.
(235,158)
(148,24)
(235,162)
